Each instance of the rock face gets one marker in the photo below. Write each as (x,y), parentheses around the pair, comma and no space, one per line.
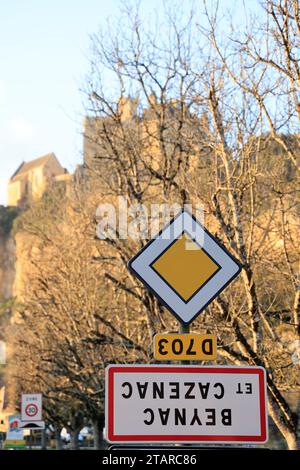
(15,254)
(26,248)
(7,265)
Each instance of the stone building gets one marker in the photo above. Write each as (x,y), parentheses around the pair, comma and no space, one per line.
(30,180)
(142,127)
(27,184)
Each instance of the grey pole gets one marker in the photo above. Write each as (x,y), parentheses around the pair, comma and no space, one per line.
(184,329)
(44,439)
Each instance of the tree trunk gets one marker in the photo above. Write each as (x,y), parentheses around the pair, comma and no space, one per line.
(98,434)
(98,425)
(44,440)
(291,441)
(286,431)
(74,439)
(58,439)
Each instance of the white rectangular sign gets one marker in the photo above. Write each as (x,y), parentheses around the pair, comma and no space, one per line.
(32,425)
(14,432)
(159,403)
(31,407)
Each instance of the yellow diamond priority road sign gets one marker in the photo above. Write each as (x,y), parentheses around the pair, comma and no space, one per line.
(185,267)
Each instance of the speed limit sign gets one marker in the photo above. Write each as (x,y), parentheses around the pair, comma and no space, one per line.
(31,410)
(31,407)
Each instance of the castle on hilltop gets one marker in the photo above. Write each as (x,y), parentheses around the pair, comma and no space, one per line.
(31,179)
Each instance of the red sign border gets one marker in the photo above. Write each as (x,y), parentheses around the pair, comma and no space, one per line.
(36,408)
(111,437)
(31,420)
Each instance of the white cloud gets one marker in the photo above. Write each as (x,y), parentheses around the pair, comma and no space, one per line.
(20,128)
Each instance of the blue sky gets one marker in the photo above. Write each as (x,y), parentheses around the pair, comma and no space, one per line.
(44,48)
(43,55)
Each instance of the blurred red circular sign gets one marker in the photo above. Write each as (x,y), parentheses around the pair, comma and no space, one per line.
(31,410)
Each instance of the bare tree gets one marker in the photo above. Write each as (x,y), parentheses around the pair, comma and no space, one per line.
(67,327)
(176,116)
(201,130)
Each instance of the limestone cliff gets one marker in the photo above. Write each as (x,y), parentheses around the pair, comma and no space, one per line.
(26,247)
(7,265)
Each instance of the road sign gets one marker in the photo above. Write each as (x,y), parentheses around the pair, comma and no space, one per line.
(31,407)
(32,425)
(184,347)
(14,444)
(14,432)
(156,403)
(185,267)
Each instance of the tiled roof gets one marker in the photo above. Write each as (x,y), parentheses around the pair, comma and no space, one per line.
(25,167)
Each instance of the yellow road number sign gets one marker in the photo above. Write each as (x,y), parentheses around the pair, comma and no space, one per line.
(190,346)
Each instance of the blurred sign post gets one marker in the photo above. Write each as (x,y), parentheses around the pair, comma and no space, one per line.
(31,407)
(14,436)
(31,413)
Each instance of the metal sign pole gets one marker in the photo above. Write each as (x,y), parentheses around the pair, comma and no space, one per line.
(184,329)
